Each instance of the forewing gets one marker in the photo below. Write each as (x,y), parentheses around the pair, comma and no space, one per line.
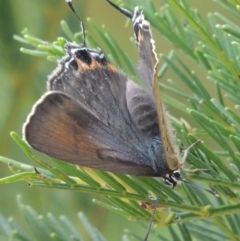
(148,74)
(62,128)
(148,58)
(141,102)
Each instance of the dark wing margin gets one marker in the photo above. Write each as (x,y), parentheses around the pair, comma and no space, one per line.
(60,127)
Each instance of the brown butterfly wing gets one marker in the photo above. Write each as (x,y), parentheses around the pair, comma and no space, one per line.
(62,128)
(148,72)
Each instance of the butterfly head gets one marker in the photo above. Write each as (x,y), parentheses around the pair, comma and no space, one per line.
(173,178)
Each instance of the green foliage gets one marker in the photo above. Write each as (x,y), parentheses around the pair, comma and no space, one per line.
(45,227)
(213,47)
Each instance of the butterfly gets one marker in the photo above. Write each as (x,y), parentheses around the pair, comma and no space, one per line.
(93,115)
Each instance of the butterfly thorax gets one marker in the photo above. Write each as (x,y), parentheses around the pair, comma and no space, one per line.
(155,153)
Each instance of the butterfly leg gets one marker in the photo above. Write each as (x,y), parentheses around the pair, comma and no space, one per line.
(185,157)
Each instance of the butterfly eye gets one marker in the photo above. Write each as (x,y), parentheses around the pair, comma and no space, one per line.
(176,175)
(170,181)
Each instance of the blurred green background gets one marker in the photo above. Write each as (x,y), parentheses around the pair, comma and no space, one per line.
(22,82)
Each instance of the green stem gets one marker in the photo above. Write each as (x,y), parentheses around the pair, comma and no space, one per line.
(211,180)
(213,212)
(113,193)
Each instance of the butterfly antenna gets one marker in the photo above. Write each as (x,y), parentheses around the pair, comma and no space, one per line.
(153,213)
(70,4)
(122,10)
(201,188)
